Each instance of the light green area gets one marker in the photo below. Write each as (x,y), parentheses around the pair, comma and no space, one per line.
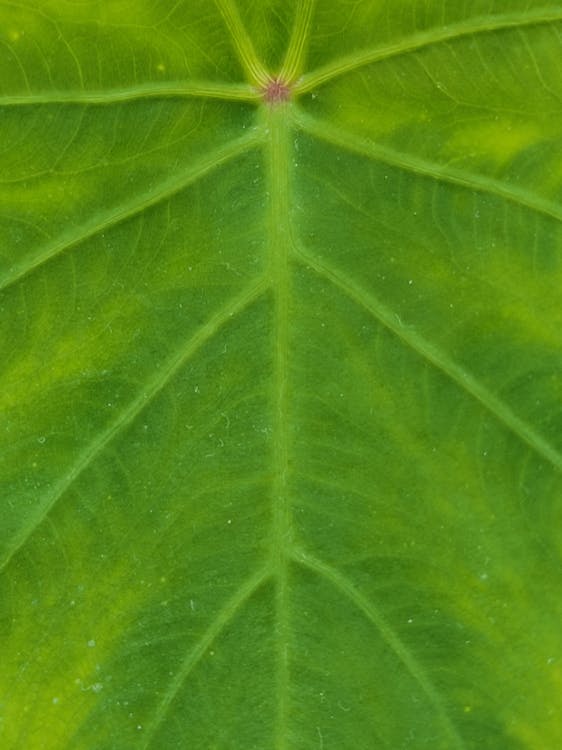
(281,386)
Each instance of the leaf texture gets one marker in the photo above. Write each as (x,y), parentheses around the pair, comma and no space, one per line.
(281,375)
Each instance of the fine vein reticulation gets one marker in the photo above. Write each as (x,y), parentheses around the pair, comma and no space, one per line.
(369,609)
(464,379)
(471,27)
(132,411)
(409,163)
(274,136)
(139,203)
(195,654)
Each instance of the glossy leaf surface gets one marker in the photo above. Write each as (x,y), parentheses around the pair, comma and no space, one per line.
(281,375)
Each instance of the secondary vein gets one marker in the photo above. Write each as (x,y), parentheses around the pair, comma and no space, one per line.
(162,191)
(242,42)
(294,59)
(464,379)
(338,136)
(391,638)
(144,397)
(451,32)
(196,653)
(164,90)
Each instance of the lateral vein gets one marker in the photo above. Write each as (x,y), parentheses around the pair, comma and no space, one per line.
(161,192)
(424,168)
(472,26)
(195,654)
(455,372)
(170,90)
(242,42)
(134,408)
(294,59)
(393,641)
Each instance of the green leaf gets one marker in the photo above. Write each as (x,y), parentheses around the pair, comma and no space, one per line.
(281,375)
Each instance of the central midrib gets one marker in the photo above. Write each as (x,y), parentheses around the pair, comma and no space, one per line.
(278,164)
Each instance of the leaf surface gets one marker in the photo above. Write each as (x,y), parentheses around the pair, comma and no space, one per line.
(280,387)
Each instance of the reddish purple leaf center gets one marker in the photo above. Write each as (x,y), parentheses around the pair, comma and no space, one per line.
(276,91)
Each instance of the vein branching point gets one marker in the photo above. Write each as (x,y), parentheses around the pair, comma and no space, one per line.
(276,90)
